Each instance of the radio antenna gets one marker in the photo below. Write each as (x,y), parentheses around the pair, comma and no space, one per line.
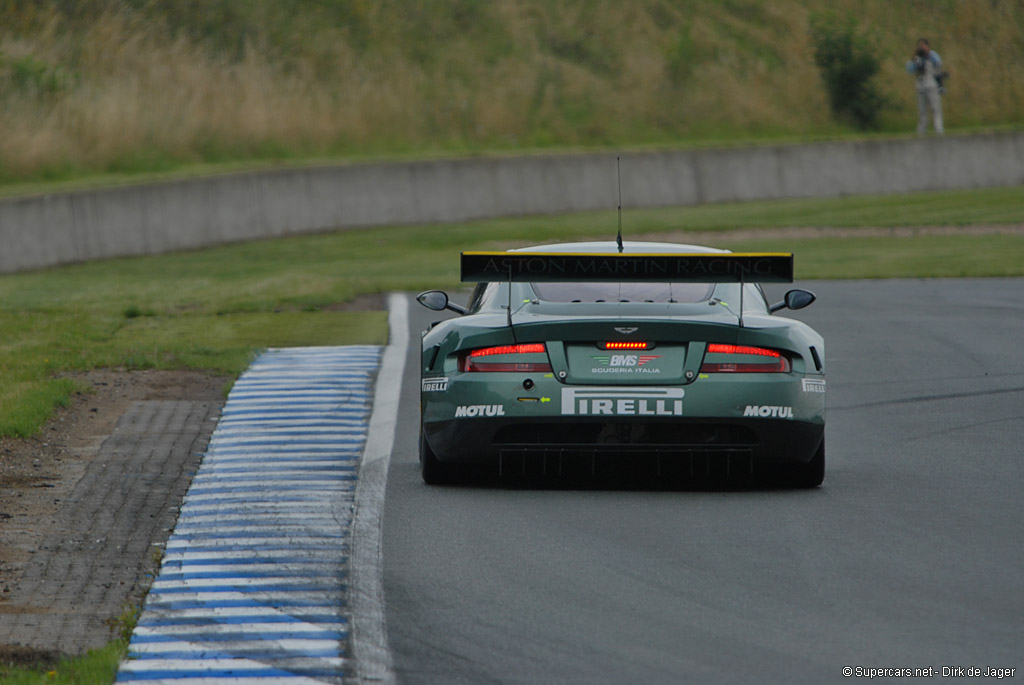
(618,178)
(508,311)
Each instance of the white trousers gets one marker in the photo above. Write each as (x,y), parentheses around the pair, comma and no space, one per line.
(929,99)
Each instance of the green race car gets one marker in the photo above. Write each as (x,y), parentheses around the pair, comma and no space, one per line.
(589,359)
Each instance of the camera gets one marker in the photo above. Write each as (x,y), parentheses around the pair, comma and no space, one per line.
(921,53)
(919,61)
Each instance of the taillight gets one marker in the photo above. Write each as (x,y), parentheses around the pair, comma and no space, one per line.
(768,361)
(626,346)
(497,358)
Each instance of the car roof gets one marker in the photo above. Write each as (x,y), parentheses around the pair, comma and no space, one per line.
(628,247)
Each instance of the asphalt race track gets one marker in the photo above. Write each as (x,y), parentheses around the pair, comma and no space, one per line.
(909,555)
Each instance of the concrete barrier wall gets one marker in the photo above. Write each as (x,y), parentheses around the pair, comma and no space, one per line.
(78,226)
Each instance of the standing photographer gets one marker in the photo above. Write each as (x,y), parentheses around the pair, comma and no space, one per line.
(926,66)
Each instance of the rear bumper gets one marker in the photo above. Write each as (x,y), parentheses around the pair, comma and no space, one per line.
(686,446)
(715,422)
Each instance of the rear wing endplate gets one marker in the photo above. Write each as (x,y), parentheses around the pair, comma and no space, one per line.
(548,267)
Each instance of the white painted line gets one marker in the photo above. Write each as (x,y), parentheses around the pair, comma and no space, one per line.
(313,435)
(254,627)
(257,504)
(309,596)
(300,514)
(283,557)
(368,631)
(236,473)
(254,499)
(253,565)
(246,456)
(227,613)
(327,527)
(214,671)
(310,427)
(305,405)
(279,475)
(288,487)
(284,571)
(305,584)
(219,679)
(285,540)
(293,490)
(297,645)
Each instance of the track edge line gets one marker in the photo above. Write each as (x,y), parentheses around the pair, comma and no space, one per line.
(368,635)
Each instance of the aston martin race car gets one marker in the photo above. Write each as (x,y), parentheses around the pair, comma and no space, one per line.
(585,359)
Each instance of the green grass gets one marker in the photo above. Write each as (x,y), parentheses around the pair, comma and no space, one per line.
(95,666)
(949,208)
(44,339)
(901,257)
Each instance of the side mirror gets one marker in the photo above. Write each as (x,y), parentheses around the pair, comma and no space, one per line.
(795,299)
(437,300)
(433,299)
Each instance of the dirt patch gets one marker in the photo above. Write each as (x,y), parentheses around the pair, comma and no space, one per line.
(37,474)
(24,657)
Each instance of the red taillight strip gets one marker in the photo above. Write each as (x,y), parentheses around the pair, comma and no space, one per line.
(718,348)
(525,348)
(625,345)
(473,361)
(777,362)
(520,367)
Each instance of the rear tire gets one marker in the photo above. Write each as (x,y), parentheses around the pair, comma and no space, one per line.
(432,470)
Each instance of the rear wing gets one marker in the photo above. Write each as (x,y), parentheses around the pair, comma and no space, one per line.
(548,267)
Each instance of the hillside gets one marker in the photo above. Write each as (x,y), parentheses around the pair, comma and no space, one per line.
(102,86)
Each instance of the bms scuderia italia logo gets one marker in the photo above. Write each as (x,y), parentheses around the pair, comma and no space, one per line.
(625,363)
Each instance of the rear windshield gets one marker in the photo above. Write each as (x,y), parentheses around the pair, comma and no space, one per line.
(624,292)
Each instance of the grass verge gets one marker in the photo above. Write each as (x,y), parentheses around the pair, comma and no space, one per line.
(95,666)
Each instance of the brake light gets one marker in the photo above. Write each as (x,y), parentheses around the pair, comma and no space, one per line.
(528,348)
(626,346)
(774,361)
(477,360)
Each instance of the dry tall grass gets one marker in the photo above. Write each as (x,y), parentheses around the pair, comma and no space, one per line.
(111,89)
